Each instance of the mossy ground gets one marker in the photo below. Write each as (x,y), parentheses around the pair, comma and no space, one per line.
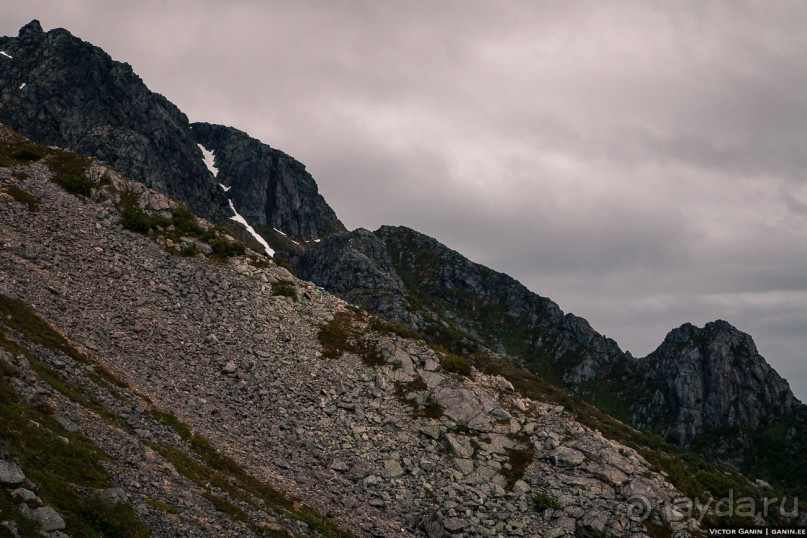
(207,467)
(65,467)
(347,332)
(22,196)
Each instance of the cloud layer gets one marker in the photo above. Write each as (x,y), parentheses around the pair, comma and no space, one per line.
(641,164)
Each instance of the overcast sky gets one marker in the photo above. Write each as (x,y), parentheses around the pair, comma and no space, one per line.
(643,164)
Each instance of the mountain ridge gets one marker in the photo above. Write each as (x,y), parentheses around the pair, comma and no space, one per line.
(233,399)
(402,275)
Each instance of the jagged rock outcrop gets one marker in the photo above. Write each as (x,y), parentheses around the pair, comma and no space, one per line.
(708,378)
(498,309)
(355,265)
(59,90)
(268,188)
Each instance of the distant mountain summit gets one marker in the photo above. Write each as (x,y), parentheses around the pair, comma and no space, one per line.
(60,90)
(709,378)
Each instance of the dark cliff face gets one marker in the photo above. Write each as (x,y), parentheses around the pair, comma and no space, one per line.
(268,187)
(498,310)
(709,378)
(356,266)
(60,90)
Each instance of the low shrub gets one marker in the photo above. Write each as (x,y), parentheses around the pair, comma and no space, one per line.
(404,331)
(285,288)
(544,501)
(431,407)
(456,364)
(28,152)
(224,248)
(135,219)
(74,183)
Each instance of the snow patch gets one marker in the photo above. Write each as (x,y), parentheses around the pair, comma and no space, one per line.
(22,85)
(317,240)
(251,230)
(224,187)
(278,231)
(207,155)
(7,55)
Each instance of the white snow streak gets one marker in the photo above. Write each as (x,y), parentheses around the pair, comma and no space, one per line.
(224,187)
(278,231)
(208,157)
(22,85)
(251,230)
(7,55)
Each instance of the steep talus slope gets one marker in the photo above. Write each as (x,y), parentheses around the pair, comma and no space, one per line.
(60,90)
(269,188)
(64,91)
(293,388)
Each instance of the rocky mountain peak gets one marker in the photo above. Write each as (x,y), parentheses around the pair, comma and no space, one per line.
(33,27)
(62,91)
(712,377)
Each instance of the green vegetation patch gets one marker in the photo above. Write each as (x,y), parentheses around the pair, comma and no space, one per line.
(431,407)
(135,219)
(399,329)
(347,332)
(223,248)
(456,364)
(544,501)
(28,152)
(74,183)
(162,506)
(21,196)
(518,459)
(172,422)
(69,172)
(285,288)
(16,150)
